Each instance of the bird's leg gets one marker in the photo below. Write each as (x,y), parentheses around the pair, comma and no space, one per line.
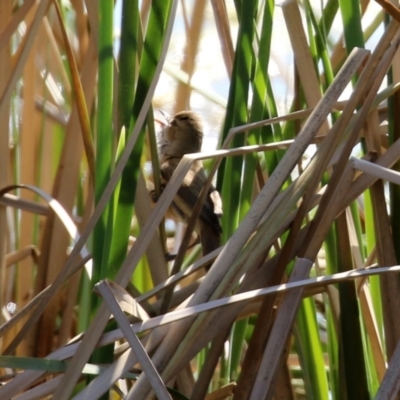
(154,196)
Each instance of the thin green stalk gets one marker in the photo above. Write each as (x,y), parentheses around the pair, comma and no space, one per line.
(159,16)
(309,348)
(128,59)
(331,257)
(328,15)
(104,157)
(351,16)
(237,341)
(259,108)
(104,137)
(351,349)
(230,174)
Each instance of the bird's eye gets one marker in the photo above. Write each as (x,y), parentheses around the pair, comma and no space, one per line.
(184,118)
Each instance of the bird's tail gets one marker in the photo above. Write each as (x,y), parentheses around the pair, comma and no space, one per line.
(210,239)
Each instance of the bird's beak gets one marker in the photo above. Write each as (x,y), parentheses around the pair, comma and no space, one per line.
(161,118)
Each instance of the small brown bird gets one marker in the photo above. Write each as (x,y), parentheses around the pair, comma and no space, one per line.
(183,135)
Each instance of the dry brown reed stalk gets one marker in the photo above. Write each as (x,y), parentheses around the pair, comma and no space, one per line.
(193,25)
(224,32)
(39,46)
(5,15)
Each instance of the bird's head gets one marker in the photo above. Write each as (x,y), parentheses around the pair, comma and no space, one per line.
(183,134)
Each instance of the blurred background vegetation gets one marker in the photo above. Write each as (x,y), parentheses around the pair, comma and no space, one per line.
(300,105)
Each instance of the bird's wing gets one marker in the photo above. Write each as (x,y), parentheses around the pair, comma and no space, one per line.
(190,190)
(216,200)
